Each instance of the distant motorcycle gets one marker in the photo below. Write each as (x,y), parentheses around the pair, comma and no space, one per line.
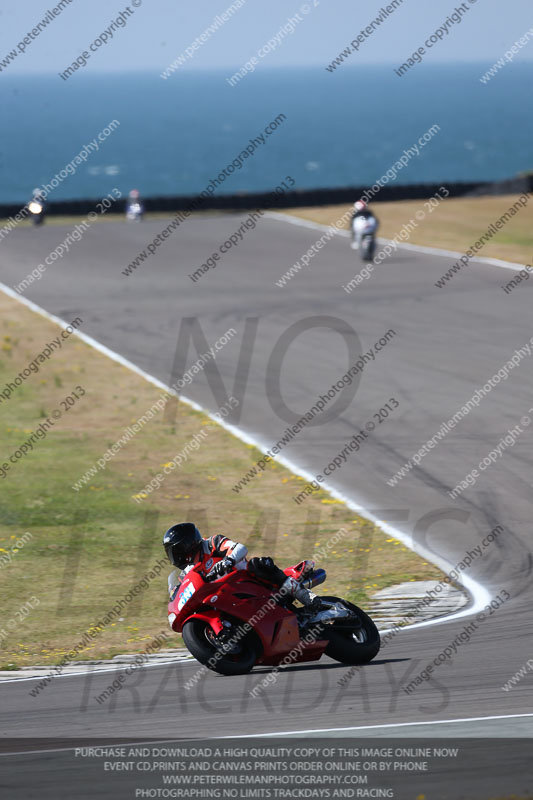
(230,623)
(134,207)
(36,209)
(364,229)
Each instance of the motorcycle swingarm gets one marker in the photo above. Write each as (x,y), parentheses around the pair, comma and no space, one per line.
(348,624)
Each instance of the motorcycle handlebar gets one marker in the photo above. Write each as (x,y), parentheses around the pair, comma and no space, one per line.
(215,573)
(221,568)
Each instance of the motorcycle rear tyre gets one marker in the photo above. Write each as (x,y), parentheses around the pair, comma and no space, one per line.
(342,645)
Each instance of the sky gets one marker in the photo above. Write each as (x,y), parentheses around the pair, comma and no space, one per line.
(158,31)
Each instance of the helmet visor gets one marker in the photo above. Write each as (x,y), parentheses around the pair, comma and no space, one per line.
(181,557)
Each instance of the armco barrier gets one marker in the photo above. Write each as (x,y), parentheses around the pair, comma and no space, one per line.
(296,199)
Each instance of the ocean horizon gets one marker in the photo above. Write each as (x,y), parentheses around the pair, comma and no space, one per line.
(346,128)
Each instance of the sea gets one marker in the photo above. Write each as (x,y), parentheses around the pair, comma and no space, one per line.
(341,128)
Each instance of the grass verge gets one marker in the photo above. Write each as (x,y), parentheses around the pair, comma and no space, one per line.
(456,224)
(87,548)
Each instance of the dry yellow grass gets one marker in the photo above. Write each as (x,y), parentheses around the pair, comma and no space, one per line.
(456,224)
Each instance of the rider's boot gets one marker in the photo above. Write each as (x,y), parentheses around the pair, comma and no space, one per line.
(306,598)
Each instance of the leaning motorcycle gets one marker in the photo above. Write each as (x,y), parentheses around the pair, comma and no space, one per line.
(232,623)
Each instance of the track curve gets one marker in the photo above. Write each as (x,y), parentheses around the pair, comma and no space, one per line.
(447,343)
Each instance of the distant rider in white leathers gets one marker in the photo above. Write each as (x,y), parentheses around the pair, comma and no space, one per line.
(362,220)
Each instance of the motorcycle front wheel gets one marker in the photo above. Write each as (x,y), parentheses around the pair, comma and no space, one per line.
(368,247)
(202,642)
(356,644)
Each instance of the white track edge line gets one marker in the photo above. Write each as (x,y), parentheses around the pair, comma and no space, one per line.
(480,595)
(99,671)
(384,725)
(417,248)
(265,735)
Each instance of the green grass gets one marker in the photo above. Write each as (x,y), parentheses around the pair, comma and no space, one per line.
(88,548)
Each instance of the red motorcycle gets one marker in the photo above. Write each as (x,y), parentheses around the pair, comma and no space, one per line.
(231,623)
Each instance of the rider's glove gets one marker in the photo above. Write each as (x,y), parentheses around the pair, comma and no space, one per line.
(223,567)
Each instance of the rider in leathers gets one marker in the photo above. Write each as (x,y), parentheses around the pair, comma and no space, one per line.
(360,211)
(185,548)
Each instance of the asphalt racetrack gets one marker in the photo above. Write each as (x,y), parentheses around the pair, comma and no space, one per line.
(447,343)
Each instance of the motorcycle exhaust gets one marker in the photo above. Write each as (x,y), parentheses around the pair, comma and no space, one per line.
(315,578)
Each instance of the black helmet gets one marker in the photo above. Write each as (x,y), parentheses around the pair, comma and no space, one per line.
(182,542)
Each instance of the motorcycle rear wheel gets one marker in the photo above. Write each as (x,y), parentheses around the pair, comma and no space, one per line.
(198,637)
(352,646)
